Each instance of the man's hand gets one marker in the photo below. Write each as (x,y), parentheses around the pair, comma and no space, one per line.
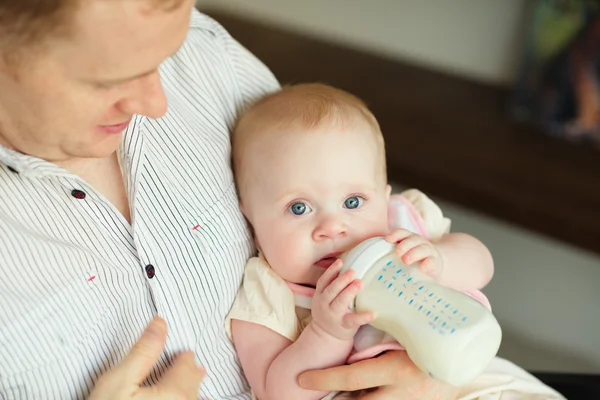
(393,374)
(123,382)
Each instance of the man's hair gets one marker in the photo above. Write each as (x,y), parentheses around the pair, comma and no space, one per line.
(29,22)
(301,107)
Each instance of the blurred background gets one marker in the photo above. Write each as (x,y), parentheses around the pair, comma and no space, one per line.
(491,108)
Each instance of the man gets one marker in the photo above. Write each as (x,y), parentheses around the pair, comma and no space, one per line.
(116,209)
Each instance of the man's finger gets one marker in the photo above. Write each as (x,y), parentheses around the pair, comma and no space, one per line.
(384,393)
(183,378)
(425,389)
(391,368)
(145,353)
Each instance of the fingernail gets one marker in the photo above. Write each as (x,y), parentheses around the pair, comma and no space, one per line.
(156,328)
(302,382)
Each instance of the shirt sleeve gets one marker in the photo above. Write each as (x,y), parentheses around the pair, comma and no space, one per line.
(265,299)
(247,78)
(252,77)
(436,223)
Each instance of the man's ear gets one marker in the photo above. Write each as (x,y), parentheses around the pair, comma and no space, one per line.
(9,64)
(388,192)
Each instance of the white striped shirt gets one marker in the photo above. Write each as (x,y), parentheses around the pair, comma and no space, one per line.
(76,285)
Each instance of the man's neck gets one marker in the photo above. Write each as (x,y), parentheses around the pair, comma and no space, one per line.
(104,175)
(84,166)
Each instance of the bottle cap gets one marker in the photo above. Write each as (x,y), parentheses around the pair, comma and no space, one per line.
(364,255)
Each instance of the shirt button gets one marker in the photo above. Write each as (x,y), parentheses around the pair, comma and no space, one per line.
(12,169)
(78,194)
(150,271)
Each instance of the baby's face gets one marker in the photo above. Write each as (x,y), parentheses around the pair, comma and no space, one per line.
(311,196)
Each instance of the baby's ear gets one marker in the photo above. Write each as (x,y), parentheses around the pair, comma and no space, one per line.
(256,244)
(388,192)
(244,211)
(250,227)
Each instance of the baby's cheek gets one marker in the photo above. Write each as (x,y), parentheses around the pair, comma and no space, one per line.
(376,227)
(280,250)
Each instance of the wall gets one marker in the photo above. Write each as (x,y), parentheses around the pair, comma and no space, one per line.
(544,293)
(479,39)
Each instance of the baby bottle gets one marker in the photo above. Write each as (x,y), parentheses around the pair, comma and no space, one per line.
(446,333)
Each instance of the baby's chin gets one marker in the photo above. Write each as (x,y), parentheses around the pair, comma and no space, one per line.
(309,279)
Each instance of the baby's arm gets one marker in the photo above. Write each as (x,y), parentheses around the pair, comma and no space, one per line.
(456,260)
(272,363)
(467,263)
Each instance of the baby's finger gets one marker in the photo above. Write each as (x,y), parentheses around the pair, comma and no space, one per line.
(355,320)
(340,284)
(329,275)
(431,267)
(407,244)
(398,235)
(418,253)
(346,296)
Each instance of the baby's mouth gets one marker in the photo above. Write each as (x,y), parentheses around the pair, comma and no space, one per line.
(328,260)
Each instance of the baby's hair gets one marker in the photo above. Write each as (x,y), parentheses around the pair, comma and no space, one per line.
(301,107)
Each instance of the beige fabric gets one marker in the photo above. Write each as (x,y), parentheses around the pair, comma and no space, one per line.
(437,225)
(265,299)
(503,380)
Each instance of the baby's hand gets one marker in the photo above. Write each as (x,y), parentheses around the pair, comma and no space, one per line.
(413,248)
(330,306)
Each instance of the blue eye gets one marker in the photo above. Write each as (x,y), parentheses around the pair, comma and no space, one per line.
(299,208)
(353,202)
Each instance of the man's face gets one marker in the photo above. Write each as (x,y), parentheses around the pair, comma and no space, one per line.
(74,98)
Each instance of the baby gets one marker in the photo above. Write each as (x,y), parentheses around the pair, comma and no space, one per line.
(309,164)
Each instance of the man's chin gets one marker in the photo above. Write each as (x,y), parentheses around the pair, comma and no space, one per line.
(100,149)
(73,159)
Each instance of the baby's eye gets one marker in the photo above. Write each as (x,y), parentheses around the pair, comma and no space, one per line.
(299,208)
(353,202)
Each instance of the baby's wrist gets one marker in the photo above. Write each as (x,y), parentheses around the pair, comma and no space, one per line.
(325,334)
(442,267)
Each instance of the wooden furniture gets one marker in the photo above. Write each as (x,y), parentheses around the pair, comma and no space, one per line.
(450,137)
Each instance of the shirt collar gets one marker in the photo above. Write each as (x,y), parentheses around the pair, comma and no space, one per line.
(26,165)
